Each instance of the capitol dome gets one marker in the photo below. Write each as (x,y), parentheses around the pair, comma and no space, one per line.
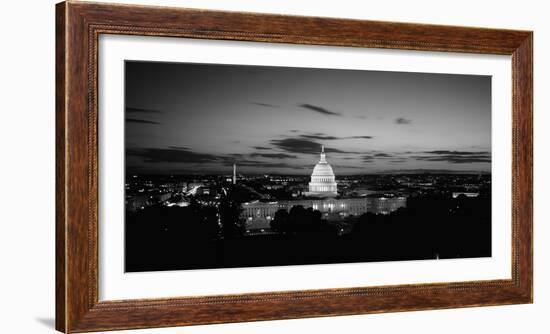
(323,183)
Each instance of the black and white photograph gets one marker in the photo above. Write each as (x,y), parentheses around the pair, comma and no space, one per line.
(246,166)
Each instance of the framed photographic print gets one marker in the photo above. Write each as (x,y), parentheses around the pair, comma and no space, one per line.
(221,167)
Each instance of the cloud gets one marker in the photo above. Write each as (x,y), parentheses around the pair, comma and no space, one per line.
(236,155)
(182,154)
(263,164)
(348,166)
(455,157)
(225,166)
(142,110)
(436,171)
(261,148)
(321,136)
(402,120)
(385,157)
(267,105)
(457,152)
(273,155)
(295,145)
(319,110)
(140,121)
(303,146)
(335,150)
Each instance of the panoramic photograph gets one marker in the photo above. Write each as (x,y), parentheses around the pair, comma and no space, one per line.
(230,166)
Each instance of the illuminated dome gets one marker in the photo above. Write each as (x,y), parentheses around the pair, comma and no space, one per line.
(323,182)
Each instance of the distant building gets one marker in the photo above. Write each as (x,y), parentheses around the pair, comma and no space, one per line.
(385,205)
(162,197)
(467,194)
(134,203)
(137,202)
(258,215)
(323,183)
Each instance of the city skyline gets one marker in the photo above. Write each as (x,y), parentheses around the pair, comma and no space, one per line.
(202,118)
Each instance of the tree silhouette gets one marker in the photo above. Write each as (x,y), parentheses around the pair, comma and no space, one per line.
(298,220)
(233,225)
(280,221)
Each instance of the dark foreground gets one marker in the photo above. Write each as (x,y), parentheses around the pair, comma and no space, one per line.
(162,238)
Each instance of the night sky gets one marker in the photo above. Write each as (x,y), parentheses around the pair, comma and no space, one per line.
(201,118)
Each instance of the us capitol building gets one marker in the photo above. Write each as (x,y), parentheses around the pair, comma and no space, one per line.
(323,181)
(321,196)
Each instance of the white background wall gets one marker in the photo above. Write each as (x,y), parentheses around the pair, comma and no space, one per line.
(27,165)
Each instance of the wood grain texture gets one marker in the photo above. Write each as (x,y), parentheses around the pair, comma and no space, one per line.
(78,26)
(60,180)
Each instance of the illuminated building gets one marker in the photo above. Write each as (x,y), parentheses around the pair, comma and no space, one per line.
(385,205)
(323,183)
(467,194)
(258,215)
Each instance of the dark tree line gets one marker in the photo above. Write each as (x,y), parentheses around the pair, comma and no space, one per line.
(160,237)
(428,228)
(300,221)
(198,236)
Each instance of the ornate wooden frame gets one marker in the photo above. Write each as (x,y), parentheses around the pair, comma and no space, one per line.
(78,25)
